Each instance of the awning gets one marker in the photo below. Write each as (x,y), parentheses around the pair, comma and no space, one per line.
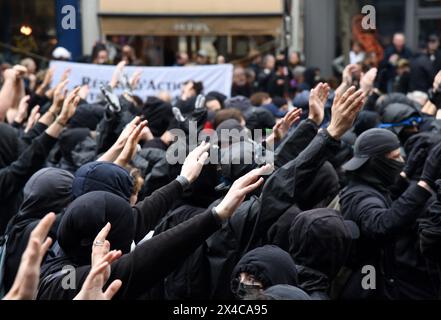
(167,26)
(191,7)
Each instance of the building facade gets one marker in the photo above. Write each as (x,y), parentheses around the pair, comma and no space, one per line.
(159,28)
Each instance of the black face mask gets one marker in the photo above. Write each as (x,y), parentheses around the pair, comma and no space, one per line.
(247,290)
(382,172)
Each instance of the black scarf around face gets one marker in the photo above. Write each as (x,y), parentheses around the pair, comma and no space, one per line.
(380,172)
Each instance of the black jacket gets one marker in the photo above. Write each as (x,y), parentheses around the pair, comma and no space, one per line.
(48,190)
(14,176)
(144,267)
(248,228)
(389,242)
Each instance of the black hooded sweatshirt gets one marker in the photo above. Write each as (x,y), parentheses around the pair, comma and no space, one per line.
(107,176)
(138,270)
(320,244)
(269,265)
(388,240)
(48,190)
(248,228)
(16,168)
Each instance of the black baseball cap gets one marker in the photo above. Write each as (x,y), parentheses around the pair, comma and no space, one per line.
(371,143)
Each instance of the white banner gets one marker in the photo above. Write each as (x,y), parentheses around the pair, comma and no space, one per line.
(153,79)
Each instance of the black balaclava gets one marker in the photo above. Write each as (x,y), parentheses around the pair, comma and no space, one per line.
(380,172)
(84,219)
(369,162)
(269,264)
(9,145)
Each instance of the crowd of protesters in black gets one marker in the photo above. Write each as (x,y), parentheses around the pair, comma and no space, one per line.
(90,207)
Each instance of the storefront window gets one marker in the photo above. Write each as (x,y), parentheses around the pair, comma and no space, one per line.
(28,26)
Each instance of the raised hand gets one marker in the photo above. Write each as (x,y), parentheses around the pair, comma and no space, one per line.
(50,93)
(21,70)
(347,74)
(317,100)
(102,257)
(280,130)
(344,111)
(46,82)
(26,281)
(134,80)
(33,118)
(238,191)
(22,112)
(115,150)
(84,92)
(15,73)
(60,93)
(367,80)
(117,74)
(69,106)
(130,147)
(437,82)
(192,167)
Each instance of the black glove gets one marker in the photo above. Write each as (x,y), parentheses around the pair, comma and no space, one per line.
(415,160)
(435,97)
(432,167)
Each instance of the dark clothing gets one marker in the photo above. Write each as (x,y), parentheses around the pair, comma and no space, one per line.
(286,292)
(295,142)
(159,114)
(278,234)
(142,268)
(102,176)
(245,90)
(9,145)
(314,283)
(388,241)
(388,70)
(150,211)
(269,265)
(191,278)
(247,229)
(87,116)
(14,176)
(277,85)
(422,73)
(48,190)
